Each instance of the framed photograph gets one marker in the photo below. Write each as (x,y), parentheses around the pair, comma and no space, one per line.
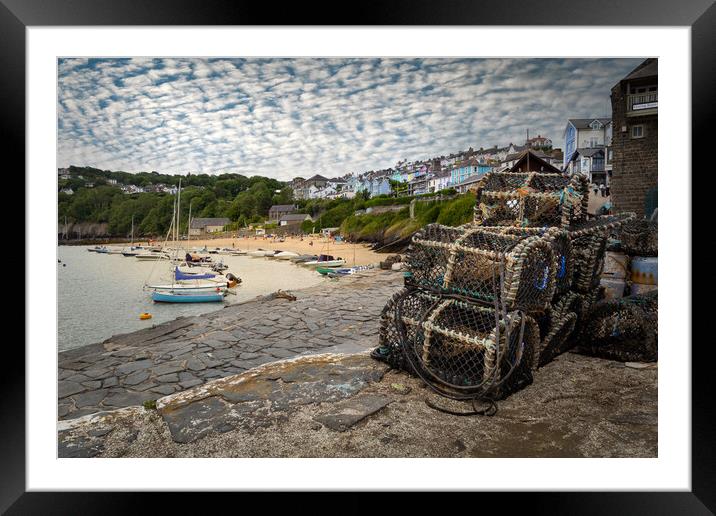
(421,243)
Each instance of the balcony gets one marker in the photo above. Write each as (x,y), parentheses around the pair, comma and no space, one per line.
(642,104)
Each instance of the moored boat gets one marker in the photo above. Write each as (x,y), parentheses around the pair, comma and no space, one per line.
(325,260)
(179,296)
(304,258)
(259,253)
(151,256)
(286,255)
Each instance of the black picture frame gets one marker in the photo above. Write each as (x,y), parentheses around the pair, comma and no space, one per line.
(700,15)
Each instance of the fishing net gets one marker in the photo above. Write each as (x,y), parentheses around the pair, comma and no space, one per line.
(622,329)
(514,271)
(531,200)
(460,347)
(640,238)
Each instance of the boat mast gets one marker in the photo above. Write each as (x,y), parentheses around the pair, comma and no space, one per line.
(188,225)
(131,243)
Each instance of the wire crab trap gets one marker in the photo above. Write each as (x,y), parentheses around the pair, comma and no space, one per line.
(557,340)
(531,200)
(462,350)
(640,238)
(513,271)
(622,329)
(561,247)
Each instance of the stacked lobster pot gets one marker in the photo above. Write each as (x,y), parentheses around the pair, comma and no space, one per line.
(487,303)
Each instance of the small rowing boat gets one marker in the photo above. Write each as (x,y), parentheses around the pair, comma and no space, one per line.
(180,296)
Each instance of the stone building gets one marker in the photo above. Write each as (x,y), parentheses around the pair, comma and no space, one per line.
(634,140)
(200,226)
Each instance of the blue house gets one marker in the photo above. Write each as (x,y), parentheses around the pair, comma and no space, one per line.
(465,169)
(380,186)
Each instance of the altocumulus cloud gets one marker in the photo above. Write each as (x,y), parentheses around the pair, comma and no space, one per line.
(287,117)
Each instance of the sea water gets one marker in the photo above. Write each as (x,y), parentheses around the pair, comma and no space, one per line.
(100,295)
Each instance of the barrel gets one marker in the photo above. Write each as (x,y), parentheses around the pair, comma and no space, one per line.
(644,270)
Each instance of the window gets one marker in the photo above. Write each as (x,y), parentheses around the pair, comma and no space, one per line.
(637,131)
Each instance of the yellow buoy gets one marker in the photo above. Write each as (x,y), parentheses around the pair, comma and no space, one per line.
(145,315)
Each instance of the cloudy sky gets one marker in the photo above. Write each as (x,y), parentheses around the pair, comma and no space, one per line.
(287,117)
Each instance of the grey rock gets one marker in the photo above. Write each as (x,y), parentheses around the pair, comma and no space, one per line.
(75,365)
(349,412)
(66,388)
(97,374)
(222,354)
(247,356)
(144,385)
(169,367)
(78,448)
(78,378)
(185,376)
(195,365)
(168,378)
(136,378)
(63,409)
(164,389)
(280,353)
(125,398)
(133,366)
(110,382)
(89,399)
(192,383)
(99,432)
(195,420)
(92,385)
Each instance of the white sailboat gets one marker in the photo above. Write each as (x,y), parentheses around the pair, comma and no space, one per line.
(183,287)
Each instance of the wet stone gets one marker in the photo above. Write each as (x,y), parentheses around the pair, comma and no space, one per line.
(168,378)
(89,399)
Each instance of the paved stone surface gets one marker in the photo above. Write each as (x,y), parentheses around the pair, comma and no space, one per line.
(578,406)
(128,369)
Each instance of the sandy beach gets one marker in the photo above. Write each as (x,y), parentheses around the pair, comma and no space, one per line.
(308,245)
